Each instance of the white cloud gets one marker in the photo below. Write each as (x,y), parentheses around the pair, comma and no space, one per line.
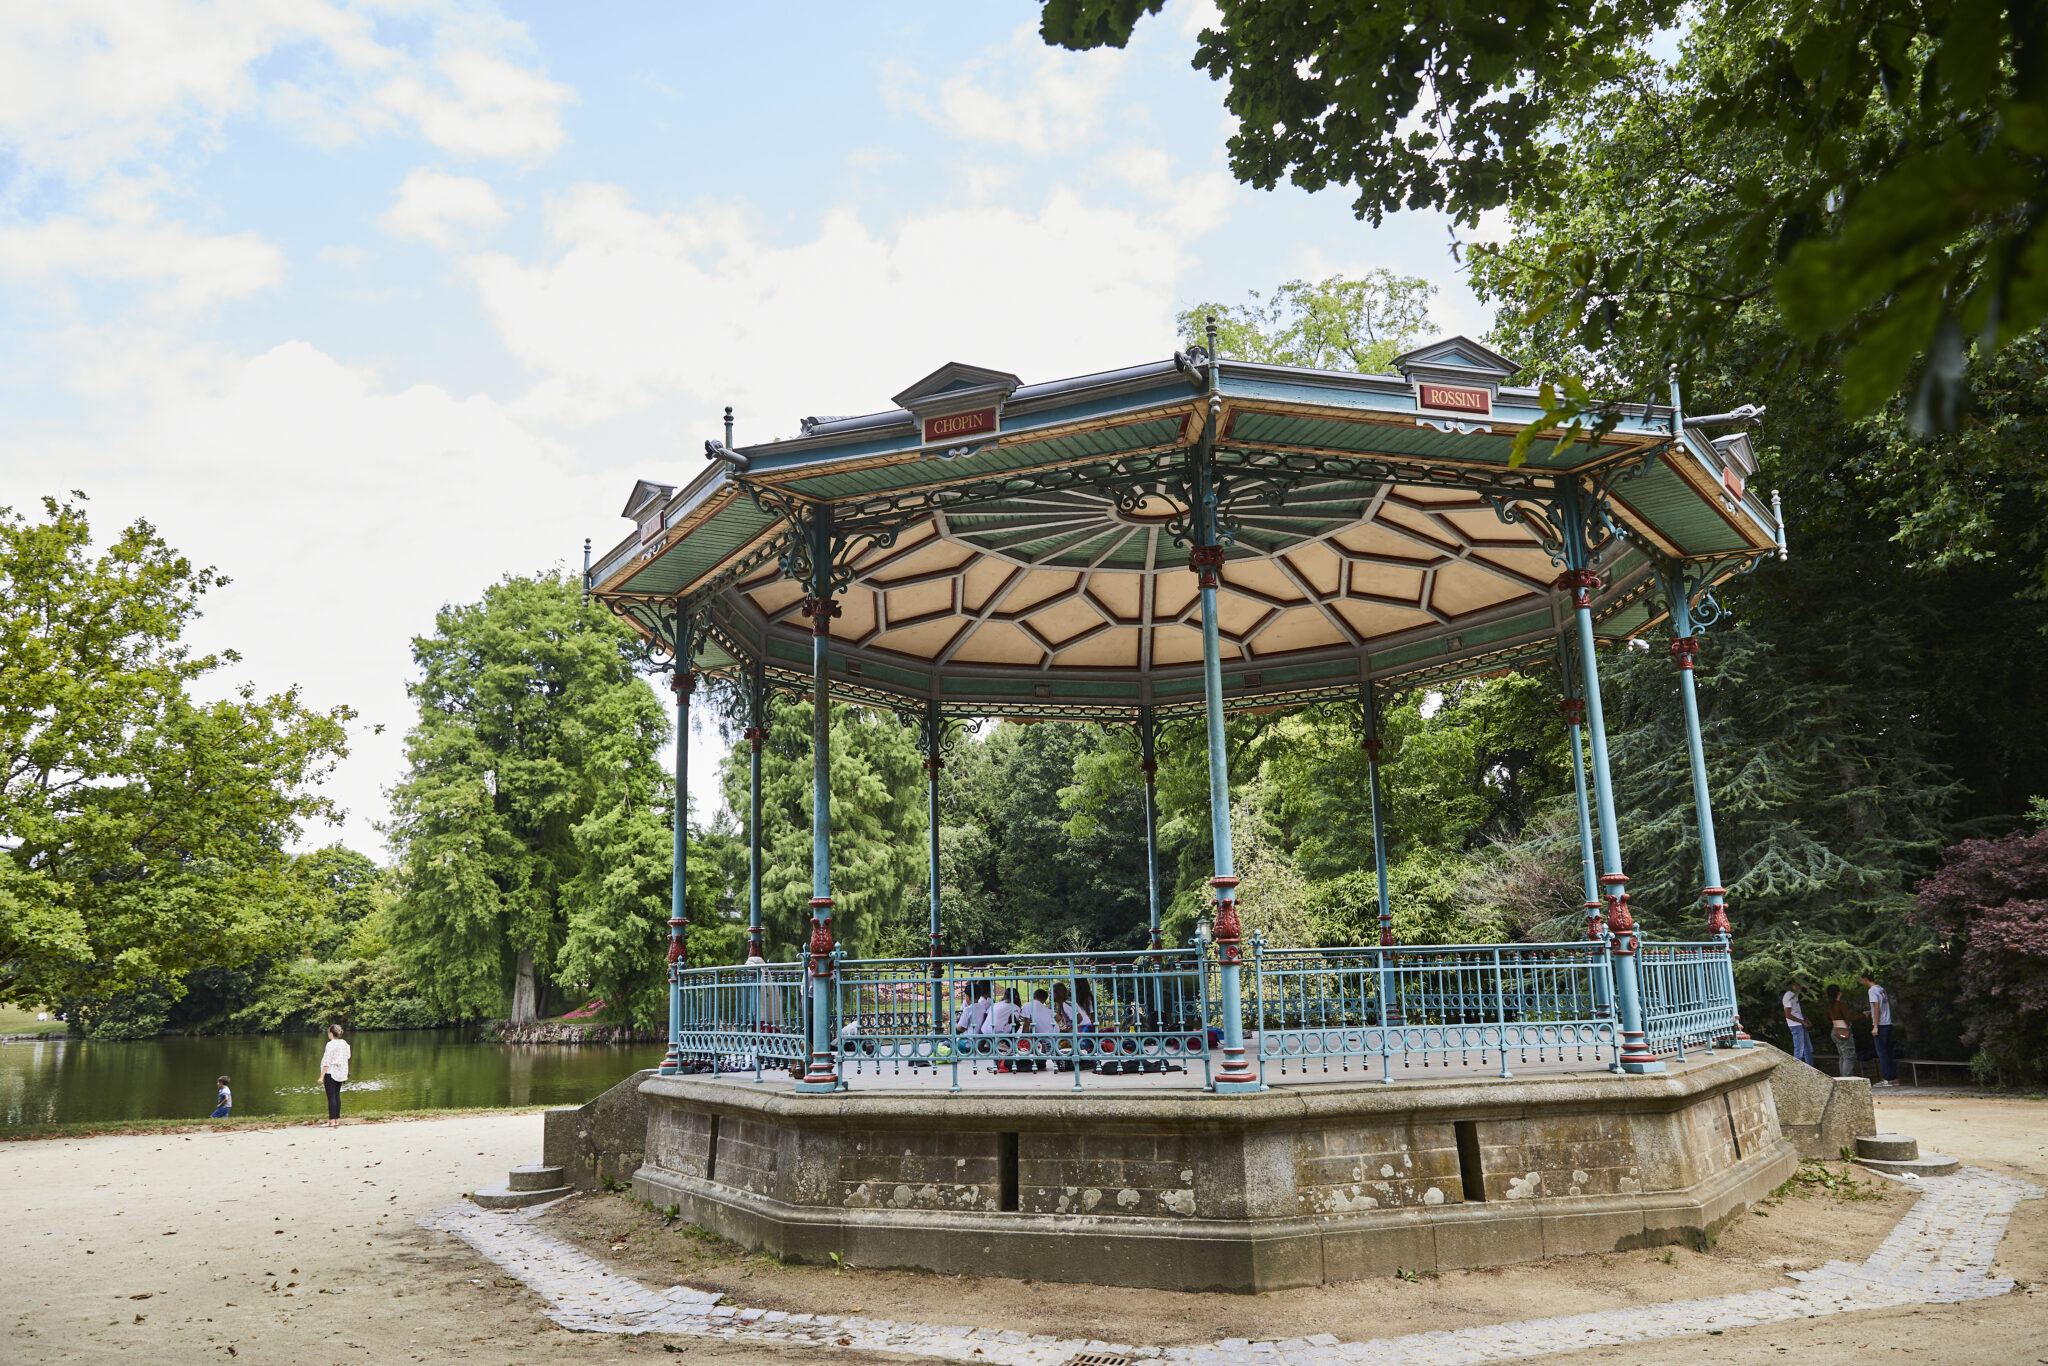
(493,108)
(1196,15)
(441,209)
(1040,99)
(93,85)
(177,268)
(346,513)
(631,308)
(1197,204)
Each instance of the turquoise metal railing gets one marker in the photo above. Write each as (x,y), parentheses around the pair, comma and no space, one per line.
(738,1019)
(1431,1006)
(1385,1012)
(1139,1012)
(1688,995)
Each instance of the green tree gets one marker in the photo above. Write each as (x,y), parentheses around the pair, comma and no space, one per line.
(530,829)
(348,890)
(878,830)
(1335,324)
(1903,215)
(145,833)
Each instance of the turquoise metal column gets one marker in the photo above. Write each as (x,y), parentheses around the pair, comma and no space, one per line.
(934,762)
(1580,579)
(684,682)
(757,730)
(1369,704)
(1573,709)
(1685,649)
(1148,766)
(1369,719)
(1206,559)
(823,1074)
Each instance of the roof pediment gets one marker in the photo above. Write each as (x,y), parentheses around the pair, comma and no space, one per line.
(954,383)
(646,491)
(1458,357)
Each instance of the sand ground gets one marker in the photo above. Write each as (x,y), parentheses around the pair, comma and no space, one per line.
(299,1245)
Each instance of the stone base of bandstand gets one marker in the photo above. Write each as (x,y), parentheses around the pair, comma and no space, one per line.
(1293,1186)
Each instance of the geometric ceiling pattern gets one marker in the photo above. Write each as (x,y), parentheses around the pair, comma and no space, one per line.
(1072,581)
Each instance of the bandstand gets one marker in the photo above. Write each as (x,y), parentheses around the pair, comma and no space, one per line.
(1181,539)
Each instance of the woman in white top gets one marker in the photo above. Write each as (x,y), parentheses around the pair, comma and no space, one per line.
(1002,1016)
(333,1072)
(1001,1019)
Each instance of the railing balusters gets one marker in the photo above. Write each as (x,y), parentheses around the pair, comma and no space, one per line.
(1311,1012)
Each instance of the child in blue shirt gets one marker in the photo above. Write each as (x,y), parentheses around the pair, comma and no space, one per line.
(223,1100)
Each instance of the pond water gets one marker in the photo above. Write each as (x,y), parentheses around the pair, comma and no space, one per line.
(278,1074)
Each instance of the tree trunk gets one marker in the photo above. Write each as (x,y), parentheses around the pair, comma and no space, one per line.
(524,1006)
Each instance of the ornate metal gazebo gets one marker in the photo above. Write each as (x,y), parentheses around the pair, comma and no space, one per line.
(1184,538)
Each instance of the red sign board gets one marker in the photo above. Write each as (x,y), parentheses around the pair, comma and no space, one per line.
(953,426)
(1457,399)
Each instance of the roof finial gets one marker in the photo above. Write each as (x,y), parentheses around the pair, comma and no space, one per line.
(728,426)
(586,571)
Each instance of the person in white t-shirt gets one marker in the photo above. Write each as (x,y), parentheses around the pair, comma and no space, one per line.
(975,1011)
(1881,1030)
(333,1072)
(1002,1018)
(1795,1020)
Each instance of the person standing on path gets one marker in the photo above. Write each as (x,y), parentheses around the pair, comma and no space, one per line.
(1842,1031)
(1795,1020)
(333,1072)
(223,1099)
(1881,1030)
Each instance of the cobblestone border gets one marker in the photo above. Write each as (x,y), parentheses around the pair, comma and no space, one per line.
(1940,1253)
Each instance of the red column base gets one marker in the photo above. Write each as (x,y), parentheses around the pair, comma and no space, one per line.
(1236,1074)
(1636,1055)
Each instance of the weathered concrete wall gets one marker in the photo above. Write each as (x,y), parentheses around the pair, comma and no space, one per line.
(1294,1186)
(607,1137)
(1819,1112)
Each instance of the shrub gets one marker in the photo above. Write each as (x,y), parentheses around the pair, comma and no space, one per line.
(1989,900)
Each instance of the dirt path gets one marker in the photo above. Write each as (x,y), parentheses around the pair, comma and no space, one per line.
(290,1245)
(300,1245)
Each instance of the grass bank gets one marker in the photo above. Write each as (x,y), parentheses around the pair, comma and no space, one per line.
(89,1128)
(13,1021)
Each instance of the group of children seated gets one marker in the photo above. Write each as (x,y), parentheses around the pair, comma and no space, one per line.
(986,1015)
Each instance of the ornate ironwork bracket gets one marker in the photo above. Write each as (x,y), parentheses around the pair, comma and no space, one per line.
(1573,516)
(939,735)
(1696,582)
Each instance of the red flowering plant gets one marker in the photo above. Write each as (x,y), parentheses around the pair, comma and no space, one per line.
(1989,900)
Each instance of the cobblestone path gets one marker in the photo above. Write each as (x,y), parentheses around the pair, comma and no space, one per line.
(1940,1253)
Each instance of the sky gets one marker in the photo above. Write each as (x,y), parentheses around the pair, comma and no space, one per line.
(368,305)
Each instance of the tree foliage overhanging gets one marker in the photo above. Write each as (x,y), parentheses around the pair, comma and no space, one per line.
(1875,167)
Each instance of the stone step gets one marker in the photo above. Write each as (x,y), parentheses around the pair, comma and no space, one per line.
(505,1197)
(1888,1147)
(538,1176)
(1925,1166)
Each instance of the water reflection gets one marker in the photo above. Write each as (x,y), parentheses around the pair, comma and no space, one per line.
(278,1074)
